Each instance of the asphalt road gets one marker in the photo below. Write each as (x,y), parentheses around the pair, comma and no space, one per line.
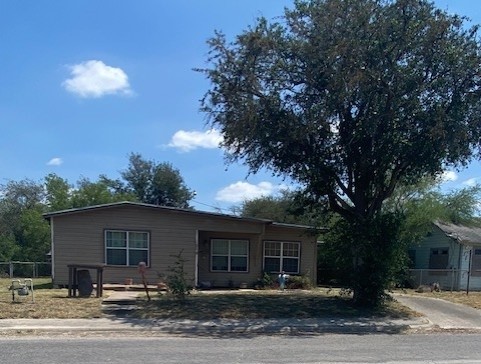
(444,314)
(372,348)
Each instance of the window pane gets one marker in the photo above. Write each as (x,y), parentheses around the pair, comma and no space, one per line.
(238,264)
(116,256)
(476,263)
(220,247)
(138,240)
(137,256)
(272,265)
(126,247)
(238,247)
(272,248)
(116,239)
(290,250)
(290,265)
(219,263)
(439,259)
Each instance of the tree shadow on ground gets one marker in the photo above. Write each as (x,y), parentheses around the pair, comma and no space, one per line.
(232,315)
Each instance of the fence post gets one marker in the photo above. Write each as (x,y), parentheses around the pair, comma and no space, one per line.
(452,278)
(11,270)
(469,270)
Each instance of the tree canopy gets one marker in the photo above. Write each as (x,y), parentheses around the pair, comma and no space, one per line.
(24,234)
(288,207)
(156,183)
(351,98)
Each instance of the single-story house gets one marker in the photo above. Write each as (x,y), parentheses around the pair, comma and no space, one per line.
(450,255)
(219,250)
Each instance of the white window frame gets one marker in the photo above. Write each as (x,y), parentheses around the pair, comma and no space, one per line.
(127,247)
(281,256)
(229,255)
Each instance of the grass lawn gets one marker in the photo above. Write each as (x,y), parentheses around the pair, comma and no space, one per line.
(235,304)
(48,303)
(262,305)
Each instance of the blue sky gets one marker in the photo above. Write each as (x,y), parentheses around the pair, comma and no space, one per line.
(85,83)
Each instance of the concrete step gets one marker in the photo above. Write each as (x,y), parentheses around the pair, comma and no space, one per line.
(113,308)
(121,298)
(129,287)
(118,302)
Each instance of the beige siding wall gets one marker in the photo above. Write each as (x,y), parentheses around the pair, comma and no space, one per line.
(255,265)
(223,279)
(79,238)
(308,263)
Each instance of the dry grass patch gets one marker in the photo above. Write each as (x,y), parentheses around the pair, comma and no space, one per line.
(316,303)
(48,303)
(263,305)
(473,299)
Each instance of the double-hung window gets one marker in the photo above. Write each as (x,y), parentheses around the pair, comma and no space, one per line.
(281,256)
(126,247)
(438,261)
(229,255)
(476,262)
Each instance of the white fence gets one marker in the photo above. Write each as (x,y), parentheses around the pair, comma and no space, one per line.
(25,269)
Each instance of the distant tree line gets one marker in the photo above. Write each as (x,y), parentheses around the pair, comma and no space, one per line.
(24,233)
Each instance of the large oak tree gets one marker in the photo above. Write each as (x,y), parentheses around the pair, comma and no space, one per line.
(351,98)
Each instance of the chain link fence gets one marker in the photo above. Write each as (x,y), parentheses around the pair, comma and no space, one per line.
(25,269)
(447,279)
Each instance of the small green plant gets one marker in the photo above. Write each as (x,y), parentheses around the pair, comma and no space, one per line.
(299,282)
(177,280)
(265,282)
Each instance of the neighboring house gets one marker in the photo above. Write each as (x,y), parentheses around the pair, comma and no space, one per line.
(450,255)
(220,250)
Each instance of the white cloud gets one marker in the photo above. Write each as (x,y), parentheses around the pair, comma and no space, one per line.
(241,191)
(55,162)
(95,79)
(470,182)
(449,176)
(186,141)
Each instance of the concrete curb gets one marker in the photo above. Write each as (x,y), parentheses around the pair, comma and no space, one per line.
(213,327)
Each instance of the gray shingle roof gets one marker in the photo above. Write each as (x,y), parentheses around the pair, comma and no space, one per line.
(49,215)
(468,235)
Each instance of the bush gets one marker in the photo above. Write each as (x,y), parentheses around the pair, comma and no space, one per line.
(176,280)
(265,282)
(299,282)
